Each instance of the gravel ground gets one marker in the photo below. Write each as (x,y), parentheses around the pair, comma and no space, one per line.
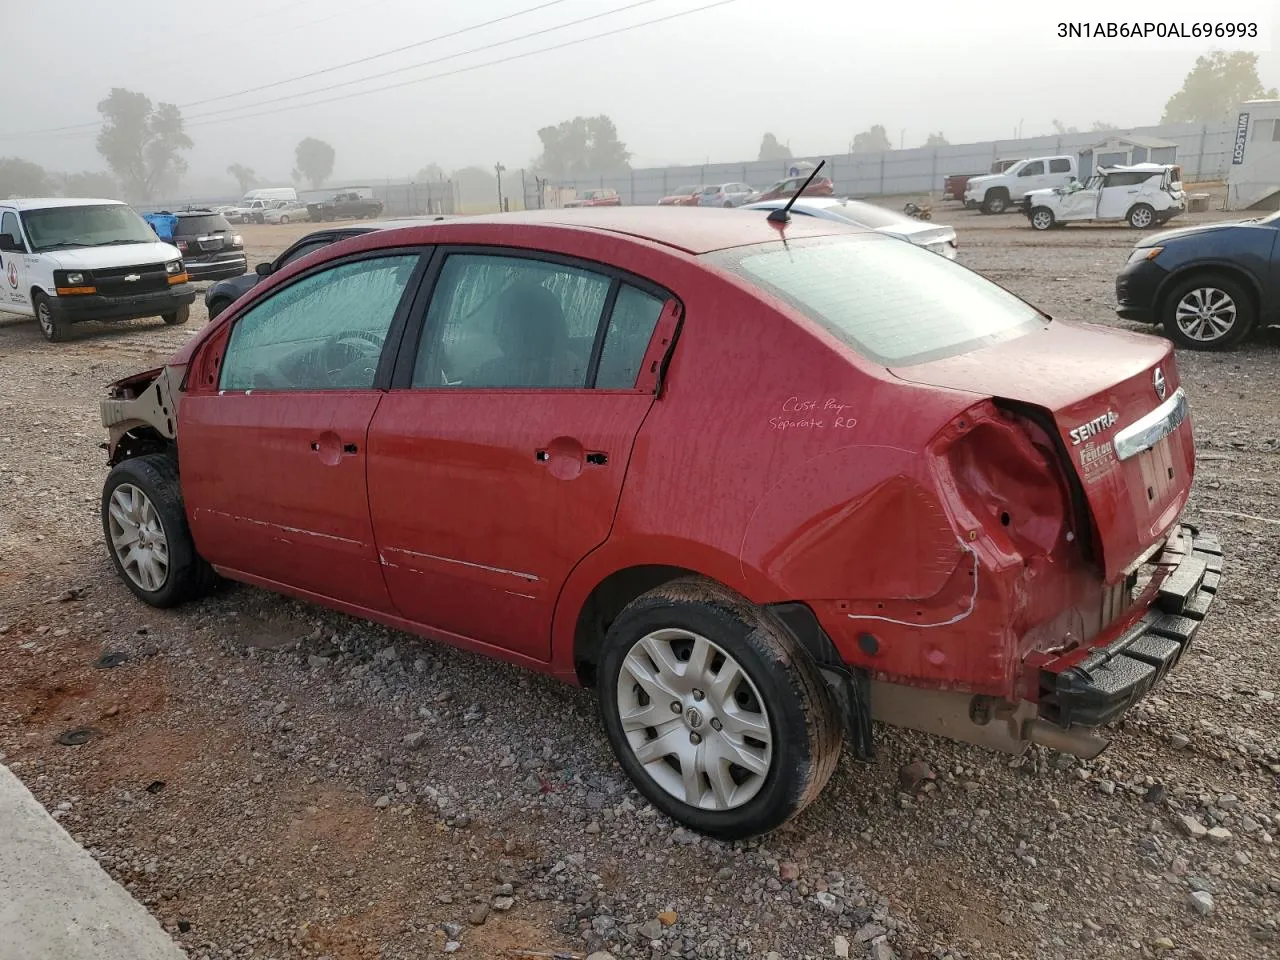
(274,781)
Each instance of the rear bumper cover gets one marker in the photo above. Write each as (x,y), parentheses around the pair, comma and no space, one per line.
(1096,688)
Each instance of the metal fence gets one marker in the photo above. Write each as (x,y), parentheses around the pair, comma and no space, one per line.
(1203,153)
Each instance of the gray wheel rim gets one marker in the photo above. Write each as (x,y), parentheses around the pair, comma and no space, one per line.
(45,318)
(1205,314)
(1041,220)
(1140,217)
(694,720)
(997,205)
(138,537)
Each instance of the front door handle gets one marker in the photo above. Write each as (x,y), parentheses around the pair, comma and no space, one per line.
(597,459)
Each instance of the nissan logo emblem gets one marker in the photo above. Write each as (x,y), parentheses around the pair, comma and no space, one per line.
(1157,381)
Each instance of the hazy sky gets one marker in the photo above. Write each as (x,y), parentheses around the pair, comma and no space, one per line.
(704,86)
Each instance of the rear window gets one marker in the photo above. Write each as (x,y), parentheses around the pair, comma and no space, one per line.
(203,223)
(893,302)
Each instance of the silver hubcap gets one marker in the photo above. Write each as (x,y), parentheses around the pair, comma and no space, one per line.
(45,318)
(1042,221)
(1206,314)
(137,537)
(1141,218)
(694,720)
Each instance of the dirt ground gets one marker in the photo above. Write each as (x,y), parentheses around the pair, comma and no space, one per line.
(273,780)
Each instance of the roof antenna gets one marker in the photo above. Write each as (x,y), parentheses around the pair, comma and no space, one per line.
(783,214)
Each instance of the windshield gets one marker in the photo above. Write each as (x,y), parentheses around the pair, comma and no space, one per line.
(893,302)
(91,226)
(204,223)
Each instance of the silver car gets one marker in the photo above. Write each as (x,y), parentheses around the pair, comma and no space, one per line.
(932,236)
(725,195)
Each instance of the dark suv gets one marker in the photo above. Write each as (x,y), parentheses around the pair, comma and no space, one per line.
(210,250)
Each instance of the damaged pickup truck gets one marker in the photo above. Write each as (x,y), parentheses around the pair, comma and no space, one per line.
(757,483)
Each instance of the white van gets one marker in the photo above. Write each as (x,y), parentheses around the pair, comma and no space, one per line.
(268,193)
(66,259)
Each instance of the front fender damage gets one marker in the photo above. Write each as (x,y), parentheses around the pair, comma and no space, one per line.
(140,412)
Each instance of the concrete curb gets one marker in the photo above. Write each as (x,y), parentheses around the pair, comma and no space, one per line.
(56,903)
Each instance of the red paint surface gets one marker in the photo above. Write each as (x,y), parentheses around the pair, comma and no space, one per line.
(774,461)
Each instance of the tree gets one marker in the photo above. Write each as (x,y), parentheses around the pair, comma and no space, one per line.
(243,176)
(431,173)
(141,143)
(1062,129)
(582,146)
(771,149)
(90,184)
(1101,126)
(1215,86)
(936,140)
(875,140)
(22,178)
(313,161)
(477,188)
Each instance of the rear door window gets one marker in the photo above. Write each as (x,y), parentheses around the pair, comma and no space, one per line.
(1060,165)
(894,303)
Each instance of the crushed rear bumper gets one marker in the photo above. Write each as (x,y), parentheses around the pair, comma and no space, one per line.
(1092,687)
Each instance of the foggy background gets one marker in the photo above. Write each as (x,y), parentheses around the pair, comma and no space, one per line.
(700,88)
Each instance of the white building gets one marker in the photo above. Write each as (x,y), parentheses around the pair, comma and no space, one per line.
(1253,182)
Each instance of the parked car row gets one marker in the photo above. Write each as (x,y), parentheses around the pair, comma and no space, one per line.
(736,194)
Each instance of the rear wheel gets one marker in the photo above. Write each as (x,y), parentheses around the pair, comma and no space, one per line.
(1141,216)
(147,535)
(1208,312)
(715,711)
(284,218)
(178,317)
(1042,218)
(217,306)
(54,328)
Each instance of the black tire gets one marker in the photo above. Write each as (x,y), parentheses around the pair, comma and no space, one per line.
(804,719)
(1207,288)
(217,305)
(1142,216)
(1042,218)
(284,219)
(996,201)
(178,317)
(188,575)
(54,328)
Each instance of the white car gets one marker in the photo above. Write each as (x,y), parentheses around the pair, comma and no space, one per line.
(997,192)
(725,195)
(64,260)
(1145,195)
(292,211)
(932,236)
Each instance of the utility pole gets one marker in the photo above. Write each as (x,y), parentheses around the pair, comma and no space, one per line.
(498,168)
(902,137)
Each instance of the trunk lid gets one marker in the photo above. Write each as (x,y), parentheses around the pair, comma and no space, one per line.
(1094,383)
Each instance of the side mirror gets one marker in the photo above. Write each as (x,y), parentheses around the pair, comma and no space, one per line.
(263,269)
(10,244)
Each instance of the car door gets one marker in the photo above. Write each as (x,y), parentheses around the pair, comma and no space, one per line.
(272,430)
(1081,204)
(15,294)
(496,463)
(1120,191)
(1030,177)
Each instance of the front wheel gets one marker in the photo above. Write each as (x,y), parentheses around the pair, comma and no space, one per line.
(996,203)
(217,306)
(1208,312)
(147,534)
(284,219)
(1141,216)
(54,328)
(1042,218)
(178,317)
(715,711)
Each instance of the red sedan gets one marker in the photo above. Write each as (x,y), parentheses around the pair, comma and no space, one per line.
(786,189)
(687,196)
(755,483)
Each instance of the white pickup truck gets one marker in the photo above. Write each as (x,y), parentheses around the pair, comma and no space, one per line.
(1145,195)
(997,192)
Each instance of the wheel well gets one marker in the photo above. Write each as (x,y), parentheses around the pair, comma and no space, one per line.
(602,607)
(998,190)
(1225,270)
(138,442)
(36,292)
